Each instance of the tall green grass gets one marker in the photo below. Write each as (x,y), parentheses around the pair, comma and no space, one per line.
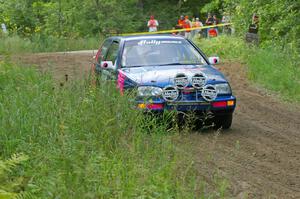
(39,43)
(275,68)
(87,142)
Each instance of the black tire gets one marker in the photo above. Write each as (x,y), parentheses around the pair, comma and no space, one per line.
(223,121)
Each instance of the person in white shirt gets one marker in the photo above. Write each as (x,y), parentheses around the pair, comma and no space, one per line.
(197,24)
(152,24)
(4,29)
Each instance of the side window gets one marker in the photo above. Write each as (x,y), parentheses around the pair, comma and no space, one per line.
(104,50)
(113,52)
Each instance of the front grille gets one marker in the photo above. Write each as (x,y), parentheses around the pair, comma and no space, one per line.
(190,95)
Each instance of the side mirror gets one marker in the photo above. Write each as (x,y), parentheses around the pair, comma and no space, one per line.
(108,65)
(214,60)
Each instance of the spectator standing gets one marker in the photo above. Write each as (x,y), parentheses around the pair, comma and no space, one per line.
(152,24)
(255,20)
(209,22)
(198,24)
(253,28)
(226,19)
(4,29)
(193,32)
(187,25)
(216,22)
(252,34)
(180,24)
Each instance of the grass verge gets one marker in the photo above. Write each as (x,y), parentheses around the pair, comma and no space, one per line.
(38,43)
(86,142)
(276,69)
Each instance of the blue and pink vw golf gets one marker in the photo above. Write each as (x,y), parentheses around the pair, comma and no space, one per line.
(169,73)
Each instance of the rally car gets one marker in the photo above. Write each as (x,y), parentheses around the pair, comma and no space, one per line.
(169,73)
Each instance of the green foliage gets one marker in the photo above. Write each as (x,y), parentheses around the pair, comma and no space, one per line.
(225,47)
(76,18)
(271,67)
(10,185)
(279,19)
(210,7)
(64,18)
(87,142)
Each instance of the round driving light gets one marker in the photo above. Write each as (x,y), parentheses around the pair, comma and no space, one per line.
(209,93)
(199,80)
(170,93)
(181,81)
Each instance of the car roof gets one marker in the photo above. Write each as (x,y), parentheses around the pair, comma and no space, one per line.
(154,36)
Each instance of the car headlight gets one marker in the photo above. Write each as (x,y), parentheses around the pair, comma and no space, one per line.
(223,89)
(147,91)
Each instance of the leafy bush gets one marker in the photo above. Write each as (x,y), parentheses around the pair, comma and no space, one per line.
(10,186)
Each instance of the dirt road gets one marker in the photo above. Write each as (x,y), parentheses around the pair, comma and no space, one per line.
(260,155)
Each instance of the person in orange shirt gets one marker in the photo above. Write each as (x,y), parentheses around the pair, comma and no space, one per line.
(180,24)
(187,25)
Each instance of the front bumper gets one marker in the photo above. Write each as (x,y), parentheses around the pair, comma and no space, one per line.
(222,105)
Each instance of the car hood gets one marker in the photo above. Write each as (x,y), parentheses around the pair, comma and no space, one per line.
(164,75)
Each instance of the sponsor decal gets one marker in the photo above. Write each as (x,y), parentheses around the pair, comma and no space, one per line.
(149,42)
(157,42)
(171,42)
(121,81)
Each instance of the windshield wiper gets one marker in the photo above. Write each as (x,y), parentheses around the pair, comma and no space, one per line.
(155,65)
(134,66)
(172,64)
(169,64)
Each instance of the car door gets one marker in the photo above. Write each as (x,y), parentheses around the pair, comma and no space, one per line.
(112,55)
(101,55)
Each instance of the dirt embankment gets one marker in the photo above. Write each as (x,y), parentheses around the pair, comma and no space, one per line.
(260,155)
(74,64)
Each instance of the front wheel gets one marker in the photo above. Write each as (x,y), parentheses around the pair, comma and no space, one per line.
(223,121)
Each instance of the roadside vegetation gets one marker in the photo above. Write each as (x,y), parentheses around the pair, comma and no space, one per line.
(275,68)
(78,141)
(19,45)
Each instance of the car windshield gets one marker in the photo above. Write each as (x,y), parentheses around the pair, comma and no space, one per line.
(159,53)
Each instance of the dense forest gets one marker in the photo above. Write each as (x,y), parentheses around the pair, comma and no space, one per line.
(279,19)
